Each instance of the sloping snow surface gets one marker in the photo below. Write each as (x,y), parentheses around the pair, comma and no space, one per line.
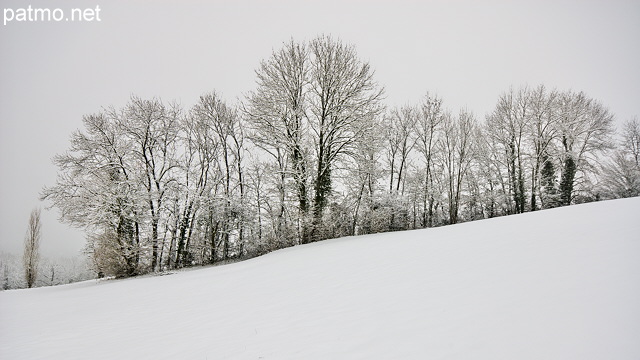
(554,284)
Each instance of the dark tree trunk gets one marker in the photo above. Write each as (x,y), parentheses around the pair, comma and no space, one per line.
(322,190)
(566,183)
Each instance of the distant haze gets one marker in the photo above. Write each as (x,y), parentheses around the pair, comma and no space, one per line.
(468,52)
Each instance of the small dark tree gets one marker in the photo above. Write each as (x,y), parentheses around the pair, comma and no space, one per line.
(53,275)
(548,182)
(566,182)
(31,255)
(5,277)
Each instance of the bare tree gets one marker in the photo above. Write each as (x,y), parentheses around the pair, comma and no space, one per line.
(400,135)
(31,255)
(457,151)
(226,126)
(97,187)
(362,176)
(631,140)
(316,97)
(153,128)
(620,177)
(207,169)
(277,116)
(508,124)
(429,123)
(542,133)
(344,97)
(585,127)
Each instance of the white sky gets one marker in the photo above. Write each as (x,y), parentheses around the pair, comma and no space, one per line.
(468,52)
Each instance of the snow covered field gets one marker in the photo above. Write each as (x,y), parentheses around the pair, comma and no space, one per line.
(554,284)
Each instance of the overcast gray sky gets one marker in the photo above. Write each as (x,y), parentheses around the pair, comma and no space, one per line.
(468,52)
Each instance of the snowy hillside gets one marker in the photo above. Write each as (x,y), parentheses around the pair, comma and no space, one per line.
(554,284)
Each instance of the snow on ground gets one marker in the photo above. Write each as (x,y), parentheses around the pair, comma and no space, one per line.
(554,284)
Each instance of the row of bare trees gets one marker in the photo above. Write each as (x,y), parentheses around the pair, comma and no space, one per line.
(154,186)
(537,149)
(312,153)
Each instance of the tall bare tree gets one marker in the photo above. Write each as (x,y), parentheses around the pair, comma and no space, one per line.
(277,116)
(31,255)
(312,101)
(631,140)
(97,190)
(200,174)
(457,152)
(508,124)
(542,133)
(429,124)
(362,176)
(344,97)
(153,129)
(585,127)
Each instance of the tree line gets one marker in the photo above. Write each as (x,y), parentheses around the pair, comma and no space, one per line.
(313,153)
(14,273)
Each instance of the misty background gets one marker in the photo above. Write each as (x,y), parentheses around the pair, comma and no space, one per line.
(467,52)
